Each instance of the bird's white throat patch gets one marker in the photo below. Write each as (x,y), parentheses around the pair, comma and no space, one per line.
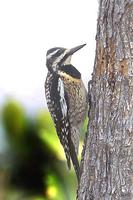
(67,61)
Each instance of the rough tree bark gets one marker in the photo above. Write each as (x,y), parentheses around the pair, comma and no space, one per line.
(106,168)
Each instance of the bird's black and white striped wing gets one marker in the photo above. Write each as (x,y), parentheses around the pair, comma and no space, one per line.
(58,106)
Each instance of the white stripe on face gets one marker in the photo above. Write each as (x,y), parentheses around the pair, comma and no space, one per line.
(51,54)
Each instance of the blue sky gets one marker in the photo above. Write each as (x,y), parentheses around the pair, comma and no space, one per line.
(28,29)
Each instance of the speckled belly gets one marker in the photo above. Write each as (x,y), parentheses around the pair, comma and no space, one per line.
(77,101)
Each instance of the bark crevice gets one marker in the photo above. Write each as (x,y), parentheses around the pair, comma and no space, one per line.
(106,167)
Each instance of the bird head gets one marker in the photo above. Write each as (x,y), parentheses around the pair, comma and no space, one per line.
(59,56)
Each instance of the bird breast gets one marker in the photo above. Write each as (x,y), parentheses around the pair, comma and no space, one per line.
(77,96)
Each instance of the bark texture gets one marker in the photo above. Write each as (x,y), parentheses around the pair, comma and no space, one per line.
(106,167)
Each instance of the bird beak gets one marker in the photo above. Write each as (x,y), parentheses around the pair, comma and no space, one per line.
(69,52)
(73,50)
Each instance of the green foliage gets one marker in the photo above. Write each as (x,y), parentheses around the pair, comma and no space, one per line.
(38,166)
(44,121)
(48,133)
(14,118)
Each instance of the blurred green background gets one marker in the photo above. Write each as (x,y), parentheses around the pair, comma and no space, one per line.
(32,161)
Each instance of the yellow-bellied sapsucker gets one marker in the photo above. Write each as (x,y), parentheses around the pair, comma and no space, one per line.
(66,99)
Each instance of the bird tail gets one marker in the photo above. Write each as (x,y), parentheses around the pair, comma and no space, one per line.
(74,146)
(75,134)
(74,159)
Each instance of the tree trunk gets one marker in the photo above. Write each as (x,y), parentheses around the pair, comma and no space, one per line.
(106,167)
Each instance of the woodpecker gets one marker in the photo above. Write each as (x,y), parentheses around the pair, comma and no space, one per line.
(66,98)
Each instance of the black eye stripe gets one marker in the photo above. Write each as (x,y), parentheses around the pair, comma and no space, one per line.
(58,53)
